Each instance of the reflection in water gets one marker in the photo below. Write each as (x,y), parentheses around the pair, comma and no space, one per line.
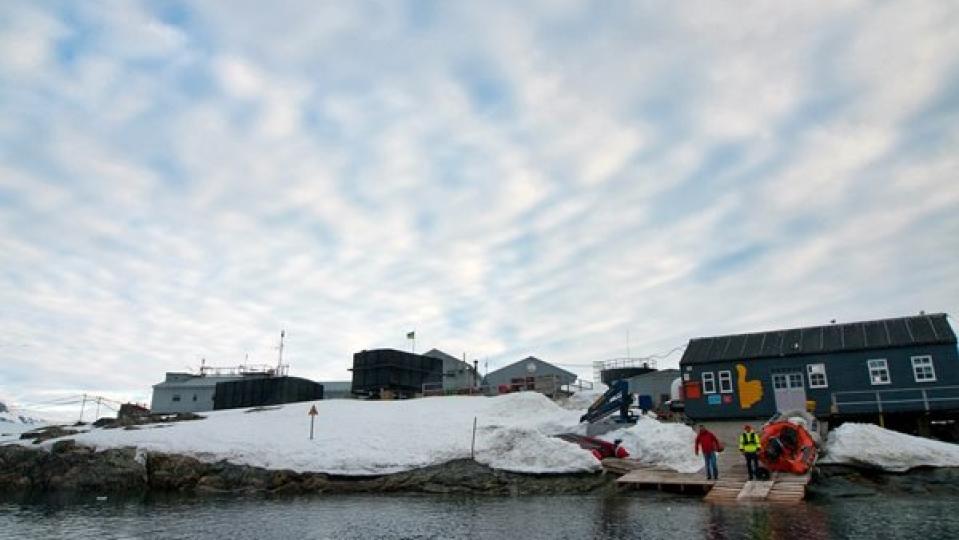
(625,515)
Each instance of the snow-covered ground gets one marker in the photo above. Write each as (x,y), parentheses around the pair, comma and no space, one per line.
(514,432)
(872,446)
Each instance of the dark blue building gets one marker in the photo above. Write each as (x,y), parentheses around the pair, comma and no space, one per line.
(902,365)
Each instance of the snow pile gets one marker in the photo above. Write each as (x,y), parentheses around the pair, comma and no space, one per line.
(524,450)
(872,446)
(372,437)
(659,444)
(580,401)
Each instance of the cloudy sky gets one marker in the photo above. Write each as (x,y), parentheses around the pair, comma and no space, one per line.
(181,180)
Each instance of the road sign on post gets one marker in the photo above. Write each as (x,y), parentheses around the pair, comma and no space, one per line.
(313,412)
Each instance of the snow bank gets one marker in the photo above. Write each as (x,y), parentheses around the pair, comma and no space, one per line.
(872,446)
(372,437)
(580,401)
(659,444)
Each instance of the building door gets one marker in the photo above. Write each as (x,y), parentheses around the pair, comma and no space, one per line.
(789,391)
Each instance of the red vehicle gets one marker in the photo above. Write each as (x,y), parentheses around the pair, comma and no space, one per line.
(601,449)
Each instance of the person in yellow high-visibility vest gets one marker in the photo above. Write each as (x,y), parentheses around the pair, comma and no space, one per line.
(749,445)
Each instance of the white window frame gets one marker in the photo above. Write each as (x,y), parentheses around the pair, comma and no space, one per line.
(726,382)
(708,377)
(930,365)
(876,368)
(817,369)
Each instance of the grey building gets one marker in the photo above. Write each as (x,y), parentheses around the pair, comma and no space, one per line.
(457,374)
(906,365)
(186,392)
(653,384)
(530,373)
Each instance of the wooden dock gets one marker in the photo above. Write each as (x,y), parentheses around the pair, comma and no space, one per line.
(732,485)
(662,479)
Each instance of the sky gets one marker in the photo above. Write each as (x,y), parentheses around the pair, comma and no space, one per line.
(572,180)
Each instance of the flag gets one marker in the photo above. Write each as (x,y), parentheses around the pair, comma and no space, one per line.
(411,335)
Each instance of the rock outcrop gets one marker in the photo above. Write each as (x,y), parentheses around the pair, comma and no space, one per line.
(841,481)
(68,467)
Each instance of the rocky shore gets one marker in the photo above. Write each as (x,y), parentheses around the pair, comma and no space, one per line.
(841,481)
(69,467)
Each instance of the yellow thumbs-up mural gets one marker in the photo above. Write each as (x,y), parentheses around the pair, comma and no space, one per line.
(750,392)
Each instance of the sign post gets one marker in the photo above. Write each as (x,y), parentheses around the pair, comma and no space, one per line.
(473,444)
(313,412)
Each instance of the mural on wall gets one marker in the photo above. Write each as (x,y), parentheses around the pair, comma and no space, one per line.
(750,392)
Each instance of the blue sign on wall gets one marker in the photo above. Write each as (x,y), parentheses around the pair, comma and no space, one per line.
(714,399)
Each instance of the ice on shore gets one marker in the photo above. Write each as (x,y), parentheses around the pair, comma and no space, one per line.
(868,445)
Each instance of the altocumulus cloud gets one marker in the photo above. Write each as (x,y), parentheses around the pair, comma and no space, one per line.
(181,180)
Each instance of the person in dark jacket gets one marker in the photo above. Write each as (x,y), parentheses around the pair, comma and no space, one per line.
(709,444)
(749,445)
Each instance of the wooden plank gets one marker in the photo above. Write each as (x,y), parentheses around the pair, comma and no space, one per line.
(755,490)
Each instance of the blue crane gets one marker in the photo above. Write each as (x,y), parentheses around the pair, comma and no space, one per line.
(616,398)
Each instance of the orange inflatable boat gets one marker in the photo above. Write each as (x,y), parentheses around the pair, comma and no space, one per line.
(787,447)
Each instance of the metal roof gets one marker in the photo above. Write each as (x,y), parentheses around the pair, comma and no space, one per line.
(506,368)
(200,381)
(930,329)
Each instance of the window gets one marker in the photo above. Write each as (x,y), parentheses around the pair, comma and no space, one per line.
(176,397)
(194,397)
(878,371)
(709,383)
(817,375)
(787,380)
(922,369)
(726,382)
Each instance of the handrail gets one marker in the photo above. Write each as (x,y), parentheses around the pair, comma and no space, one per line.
(880,401)
(890,390)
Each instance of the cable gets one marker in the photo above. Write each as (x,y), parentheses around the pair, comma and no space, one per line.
(657,356)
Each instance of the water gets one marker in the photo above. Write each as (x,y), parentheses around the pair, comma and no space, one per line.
(628,515)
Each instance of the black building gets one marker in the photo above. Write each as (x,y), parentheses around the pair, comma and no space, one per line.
(903,365)
(265,391)
(385,373)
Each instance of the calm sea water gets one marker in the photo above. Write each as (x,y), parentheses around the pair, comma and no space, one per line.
(630,515)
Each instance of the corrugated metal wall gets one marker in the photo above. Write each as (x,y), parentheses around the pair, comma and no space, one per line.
(265,391)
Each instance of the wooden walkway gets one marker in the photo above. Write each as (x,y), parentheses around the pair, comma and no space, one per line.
(732,485)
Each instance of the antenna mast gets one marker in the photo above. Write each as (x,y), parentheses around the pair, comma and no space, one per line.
(279,361)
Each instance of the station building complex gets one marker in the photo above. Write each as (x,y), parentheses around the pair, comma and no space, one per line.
(906,365)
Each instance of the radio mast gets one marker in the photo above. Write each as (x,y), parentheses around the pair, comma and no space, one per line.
(279,360)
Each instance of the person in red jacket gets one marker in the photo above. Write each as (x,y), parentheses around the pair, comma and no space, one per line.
(709,444)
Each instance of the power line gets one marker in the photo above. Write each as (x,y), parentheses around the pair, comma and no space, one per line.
(657,356)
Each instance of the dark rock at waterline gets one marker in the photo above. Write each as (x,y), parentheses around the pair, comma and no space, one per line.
(68,467)
(839,481)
